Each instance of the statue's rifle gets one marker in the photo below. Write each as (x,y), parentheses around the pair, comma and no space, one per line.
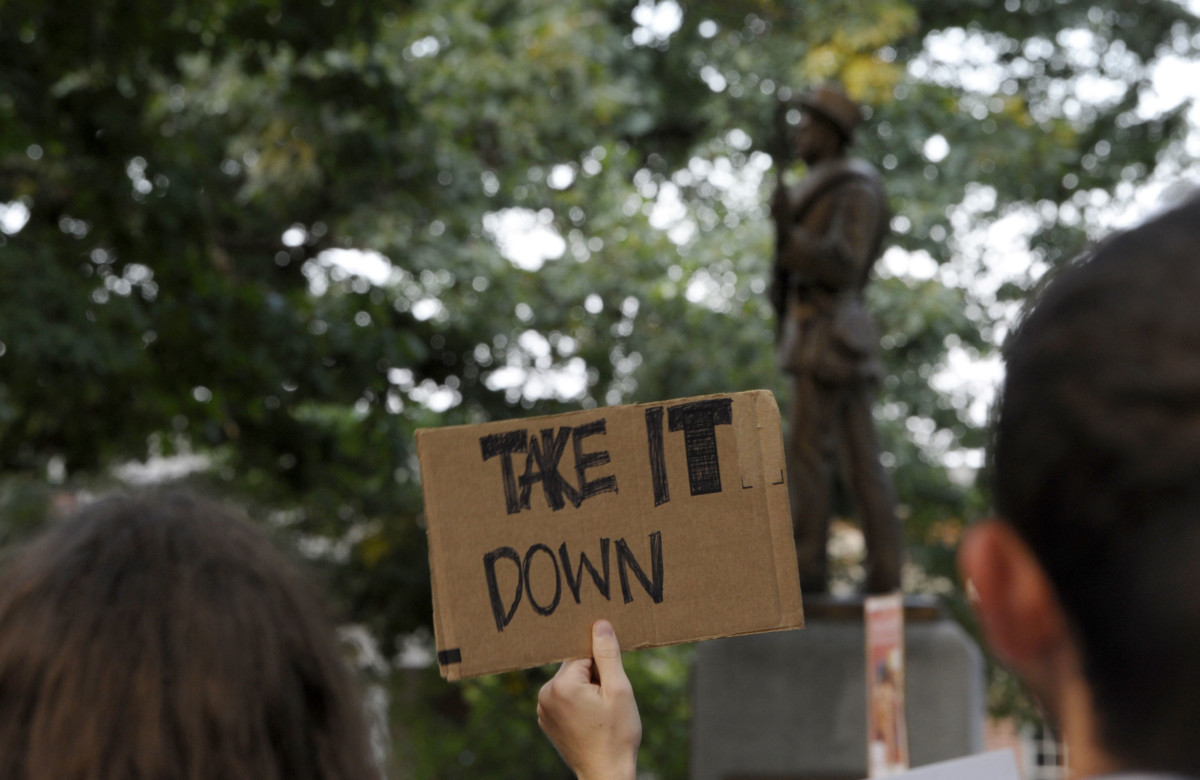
(781,153)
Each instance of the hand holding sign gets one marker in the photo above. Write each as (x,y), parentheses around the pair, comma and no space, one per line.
(588,711)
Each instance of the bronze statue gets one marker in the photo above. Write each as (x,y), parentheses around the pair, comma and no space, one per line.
(830,229)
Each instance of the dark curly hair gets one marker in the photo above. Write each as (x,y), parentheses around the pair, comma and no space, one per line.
(1096,463)
(163,636)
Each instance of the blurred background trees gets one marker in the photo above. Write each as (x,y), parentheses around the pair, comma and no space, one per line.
(260,243)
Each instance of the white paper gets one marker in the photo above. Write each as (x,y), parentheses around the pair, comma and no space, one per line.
(996,765)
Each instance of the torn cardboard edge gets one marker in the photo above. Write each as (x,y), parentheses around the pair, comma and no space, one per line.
(669,519)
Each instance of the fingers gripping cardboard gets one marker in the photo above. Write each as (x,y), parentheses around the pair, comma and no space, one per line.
(671,520)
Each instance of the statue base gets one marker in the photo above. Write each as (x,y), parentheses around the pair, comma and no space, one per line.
(791,705)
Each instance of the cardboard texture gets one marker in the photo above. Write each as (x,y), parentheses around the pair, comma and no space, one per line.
(670,519)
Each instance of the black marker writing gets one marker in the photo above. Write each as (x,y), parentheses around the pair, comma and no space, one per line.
(542,466)
(575,579)
(504,445)
(587,460)
(658,458)
(698,420)
(543,452)
(652,584)
(503,617)
(538,608)
(503,610)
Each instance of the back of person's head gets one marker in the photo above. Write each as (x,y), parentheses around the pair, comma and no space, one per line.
(165,637)
(1096,463)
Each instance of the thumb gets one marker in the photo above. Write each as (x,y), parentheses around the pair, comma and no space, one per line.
(606,651)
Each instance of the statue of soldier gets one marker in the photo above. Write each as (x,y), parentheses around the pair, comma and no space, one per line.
(830,229)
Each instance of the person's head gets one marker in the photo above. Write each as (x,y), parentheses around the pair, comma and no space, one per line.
(1096,467)
(165,637)
(828,120)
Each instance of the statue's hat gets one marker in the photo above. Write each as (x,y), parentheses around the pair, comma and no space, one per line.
(832,104)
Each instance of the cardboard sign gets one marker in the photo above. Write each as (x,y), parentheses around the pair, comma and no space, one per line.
(671,520)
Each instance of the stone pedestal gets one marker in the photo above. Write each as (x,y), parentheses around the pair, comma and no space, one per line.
(792,705)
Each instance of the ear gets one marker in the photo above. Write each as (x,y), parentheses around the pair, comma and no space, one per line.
(1016,604)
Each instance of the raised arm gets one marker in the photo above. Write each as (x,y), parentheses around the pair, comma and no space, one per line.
(588,711)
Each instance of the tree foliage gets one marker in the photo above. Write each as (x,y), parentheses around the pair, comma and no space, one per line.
(191,186)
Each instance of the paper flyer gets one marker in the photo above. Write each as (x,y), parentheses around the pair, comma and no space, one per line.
(887,733)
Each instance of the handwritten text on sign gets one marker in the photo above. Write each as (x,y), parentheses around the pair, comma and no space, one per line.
(697,420)
(544,449)
(588,509)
